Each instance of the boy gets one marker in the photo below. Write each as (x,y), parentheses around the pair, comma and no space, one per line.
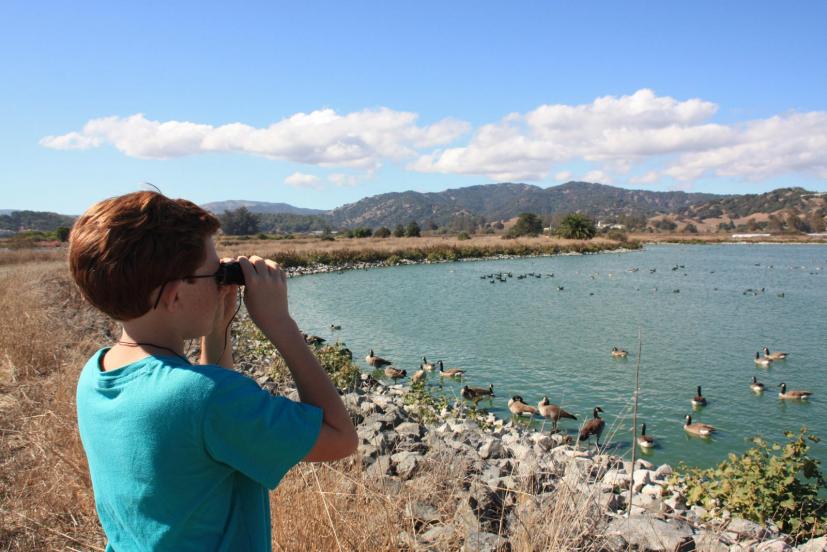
(181,455)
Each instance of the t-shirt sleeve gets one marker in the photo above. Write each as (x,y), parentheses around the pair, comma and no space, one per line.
(258,434)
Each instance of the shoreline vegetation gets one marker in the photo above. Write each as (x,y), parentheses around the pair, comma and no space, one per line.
(432,472)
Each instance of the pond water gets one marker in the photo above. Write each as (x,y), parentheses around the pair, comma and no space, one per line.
(701,324)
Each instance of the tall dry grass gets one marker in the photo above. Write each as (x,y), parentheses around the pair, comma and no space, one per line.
(46,501)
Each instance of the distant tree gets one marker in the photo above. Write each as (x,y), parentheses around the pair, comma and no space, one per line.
(381,232)
(690,229)
(412,230)
(665,224)
(498,225)
(399,231)
(239,222)
(463,236)
(577,226)
(360,232)
(774,224)
(62,233)
(528,224)
(431,225)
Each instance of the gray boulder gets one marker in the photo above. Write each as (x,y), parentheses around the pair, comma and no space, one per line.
(650,533)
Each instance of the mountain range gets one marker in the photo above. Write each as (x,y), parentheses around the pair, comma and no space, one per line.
(493,202)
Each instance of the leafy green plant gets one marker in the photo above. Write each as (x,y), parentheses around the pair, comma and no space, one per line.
(769,482)
(577,226)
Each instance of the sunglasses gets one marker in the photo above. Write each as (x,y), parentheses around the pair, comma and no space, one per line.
(227,274)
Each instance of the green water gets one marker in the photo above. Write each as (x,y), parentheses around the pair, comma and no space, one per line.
(529,338)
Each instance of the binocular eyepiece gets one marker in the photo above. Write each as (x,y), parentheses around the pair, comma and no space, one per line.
(230,273)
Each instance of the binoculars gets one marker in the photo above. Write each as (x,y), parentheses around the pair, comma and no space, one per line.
(229,273)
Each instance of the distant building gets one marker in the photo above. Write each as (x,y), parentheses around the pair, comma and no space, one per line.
(736,236)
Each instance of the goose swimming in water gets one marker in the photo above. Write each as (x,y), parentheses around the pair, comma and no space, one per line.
(643,440)
(477,393)
(762,361)
(756,386)
(619,353)
(793,394)
(701,430)
(774,356)
(699,399)
(450,372)
(376,361)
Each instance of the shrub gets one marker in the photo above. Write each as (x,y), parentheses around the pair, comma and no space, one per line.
(576,226)
(690,229)
(463,236)
(382,232)
(399,231)
(778,483)
(617,234)
(412,230)
(62,233)
(528,224)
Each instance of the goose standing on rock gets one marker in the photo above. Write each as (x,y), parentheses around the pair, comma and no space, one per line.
(699,399)
(643,440)
(418,377)
(756,386)
(792,394)
(426,365)
(395,373)
(450,372)
(553,412)
(762,361)
(518,407)
(701,430)
(774,356)
(376,361)
(477,393)
(314,340)
(593,427)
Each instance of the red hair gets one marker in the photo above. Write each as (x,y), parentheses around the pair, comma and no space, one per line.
(123,248)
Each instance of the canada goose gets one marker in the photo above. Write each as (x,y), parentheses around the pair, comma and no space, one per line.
(395,373)
(553,412)
(477,393)
(335,327)
(376,361)
(418,376)
(756,385)
(593,427)
(762,361)
(699,399)
(450,372)
(702,430)
(793,394)
(426,365)
(645,441)
(619,353)
(774,356)
(518,407)
(314,340)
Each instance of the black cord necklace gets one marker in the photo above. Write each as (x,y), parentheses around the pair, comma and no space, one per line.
(139,344)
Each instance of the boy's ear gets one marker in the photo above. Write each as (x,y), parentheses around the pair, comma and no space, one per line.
(170,299)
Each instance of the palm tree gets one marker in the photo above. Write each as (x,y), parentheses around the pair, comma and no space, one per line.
(577,227)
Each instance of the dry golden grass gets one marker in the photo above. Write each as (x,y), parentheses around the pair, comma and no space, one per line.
(31,255)
(46,501)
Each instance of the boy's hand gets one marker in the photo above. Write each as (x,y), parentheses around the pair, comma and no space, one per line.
(266,293)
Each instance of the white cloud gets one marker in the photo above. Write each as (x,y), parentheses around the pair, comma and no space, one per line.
(301,180)
(597,176)
(343,180)
(563,176)
(617,136)
(359,140)
(676,138)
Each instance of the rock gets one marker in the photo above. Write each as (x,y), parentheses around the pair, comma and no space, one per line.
(380,467)
(437,533)
(699,511)
(409,428)
(676,501)
(652,490)
(709,541)
(641,464)
(543,441)
(663,472)
(641,478)
(421,512)
(774,545)
(520,451)
(477,541)
(650,533)
(742,529)
(367,452)
(616,479)
(491,448)
(814,545)
(406,463)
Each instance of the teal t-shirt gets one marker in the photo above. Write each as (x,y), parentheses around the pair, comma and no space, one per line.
(181,456)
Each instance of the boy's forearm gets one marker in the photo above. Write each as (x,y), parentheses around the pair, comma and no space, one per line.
(312,382)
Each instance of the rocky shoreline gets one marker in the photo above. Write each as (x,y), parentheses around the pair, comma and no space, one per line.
(511,474)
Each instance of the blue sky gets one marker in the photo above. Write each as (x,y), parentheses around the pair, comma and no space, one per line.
(321,104)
